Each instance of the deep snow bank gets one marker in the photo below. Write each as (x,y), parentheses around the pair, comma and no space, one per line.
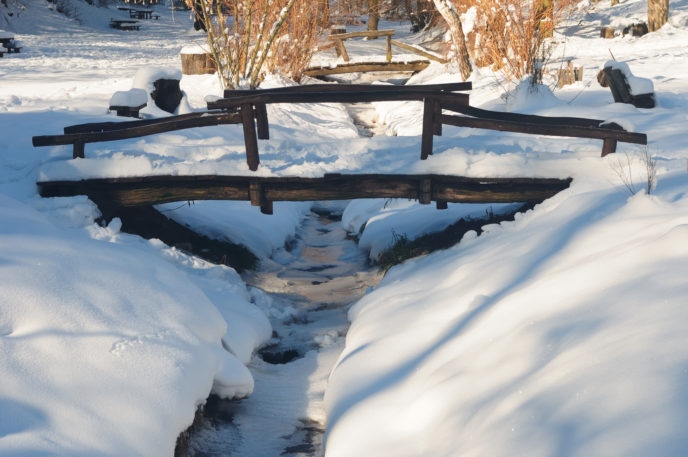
(561,333)
(107,347)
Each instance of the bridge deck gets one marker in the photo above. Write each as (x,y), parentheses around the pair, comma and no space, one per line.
(262,191)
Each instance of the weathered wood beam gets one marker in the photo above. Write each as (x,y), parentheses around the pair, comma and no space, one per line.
(358,88)
(545,129)
(250,140)
(262,123)
(107,126)
(152,190)
(527,118)
(137,131)
(427,55)
(341,49)
(362,34)
(428,128)
(339,97)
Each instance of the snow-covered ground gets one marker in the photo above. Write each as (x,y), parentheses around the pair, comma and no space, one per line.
(560,333)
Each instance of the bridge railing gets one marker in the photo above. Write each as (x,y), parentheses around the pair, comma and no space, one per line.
(79,135)
(437,99)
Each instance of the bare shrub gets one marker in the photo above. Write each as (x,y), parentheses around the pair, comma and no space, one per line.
(513,35)
(644,161)
(247,38)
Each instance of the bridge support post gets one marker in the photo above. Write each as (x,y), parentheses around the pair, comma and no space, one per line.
(250,139)
(255,191)
(78,151)
(436,122)
(609,146)
(428,128)
(262,121)
(425,191)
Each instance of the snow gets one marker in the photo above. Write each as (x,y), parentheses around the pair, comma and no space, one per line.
(637,86)
(560,333)
(131,97)
(195,49)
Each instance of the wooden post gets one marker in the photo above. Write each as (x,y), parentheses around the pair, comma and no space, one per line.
(389,48)
(441,204)
(266,207)
(425,193)
(257,197)
(250,139)
(436,122)
(78,152)
(262,121)
(428,128)
(609,146)
(341,50)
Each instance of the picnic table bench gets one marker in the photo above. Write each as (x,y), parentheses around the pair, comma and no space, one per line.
(140,14)
(8,44)
(124,24)
(128,103)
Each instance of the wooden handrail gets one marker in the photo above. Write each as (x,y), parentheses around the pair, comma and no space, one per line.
(609,132)
(427,55)
(545,129)
(362,34)
(352,67)
(360,88)
(161,126)
(336,97)
(108,126)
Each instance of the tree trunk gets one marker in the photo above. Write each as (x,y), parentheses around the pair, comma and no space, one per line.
(657,14)
(373,15)
(451,16)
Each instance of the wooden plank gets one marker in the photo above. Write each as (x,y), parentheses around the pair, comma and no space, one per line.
(108,126)
(361,67)
(528,118)
(250,140)
(363,34)
(337,97)
(137,131)
(144,191)
(544,129)
(447,87)
(427,55)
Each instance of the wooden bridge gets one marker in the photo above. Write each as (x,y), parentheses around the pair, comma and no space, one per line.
(249,108)
(336,42)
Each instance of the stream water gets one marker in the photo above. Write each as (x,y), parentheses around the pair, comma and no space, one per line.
(308,287)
